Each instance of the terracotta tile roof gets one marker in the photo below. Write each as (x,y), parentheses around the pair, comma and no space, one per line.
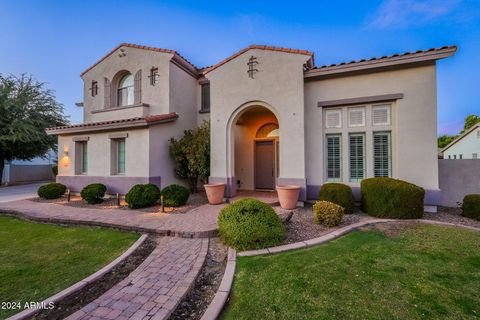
(432,50)
(137,121)
(261,47)
(136,46)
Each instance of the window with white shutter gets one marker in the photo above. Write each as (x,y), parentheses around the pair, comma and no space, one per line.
(357,156)
(382,154)
(381,115)
(334,157)
(333,119)
(356,117)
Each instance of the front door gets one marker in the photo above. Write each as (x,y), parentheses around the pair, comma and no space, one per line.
(265,165)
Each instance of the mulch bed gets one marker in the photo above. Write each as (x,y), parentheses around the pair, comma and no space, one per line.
(199,298)
(94,290)
(195,200)
(451,215)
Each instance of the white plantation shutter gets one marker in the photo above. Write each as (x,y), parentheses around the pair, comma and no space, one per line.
(381,115)
(333,119)
(357,156)
(356,117)
(334,159)
(382,153)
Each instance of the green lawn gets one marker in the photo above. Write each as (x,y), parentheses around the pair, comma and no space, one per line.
(39,260)
(427,272)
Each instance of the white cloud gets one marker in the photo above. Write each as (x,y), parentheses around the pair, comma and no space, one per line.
(405,13)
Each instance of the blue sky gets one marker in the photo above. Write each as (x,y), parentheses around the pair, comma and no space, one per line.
(56,40)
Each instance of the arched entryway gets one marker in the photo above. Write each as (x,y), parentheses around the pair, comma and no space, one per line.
(255,156)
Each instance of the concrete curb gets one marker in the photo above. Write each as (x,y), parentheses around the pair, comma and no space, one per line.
(339,232)
(90,223)
(218,302)
(82,283)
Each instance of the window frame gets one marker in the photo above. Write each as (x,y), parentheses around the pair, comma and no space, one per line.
(364,156)
(364,115)
(386,106)
(128,89)
(205,98)
(340,123)
(115,153)
(81,157)
(340,158)
(390,170)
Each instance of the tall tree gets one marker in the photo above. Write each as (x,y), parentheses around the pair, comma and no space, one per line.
(470,121)
(27,107)
(445,140)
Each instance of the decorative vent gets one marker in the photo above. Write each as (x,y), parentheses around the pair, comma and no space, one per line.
(333,119)
(381,115)
(356,117)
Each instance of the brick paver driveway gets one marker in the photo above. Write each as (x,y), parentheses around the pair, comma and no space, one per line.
(156,287)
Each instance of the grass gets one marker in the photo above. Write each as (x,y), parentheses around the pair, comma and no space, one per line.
(423,272)
(39,260)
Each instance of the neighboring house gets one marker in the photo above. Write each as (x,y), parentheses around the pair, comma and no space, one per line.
(37,169)
(465,146)
(275,118)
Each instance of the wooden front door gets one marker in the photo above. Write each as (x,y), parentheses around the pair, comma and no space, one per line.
(265,165)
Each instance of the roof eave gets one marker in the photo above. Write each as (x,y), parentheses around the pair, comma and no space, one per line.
(461,137)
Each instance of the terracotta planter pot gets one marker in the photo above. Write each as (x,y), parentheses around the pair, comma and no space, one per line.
(215,192)
(288,196)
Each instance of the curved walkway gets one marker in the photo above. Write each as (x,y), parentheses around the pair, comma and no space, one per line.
(200,222)
(156,287)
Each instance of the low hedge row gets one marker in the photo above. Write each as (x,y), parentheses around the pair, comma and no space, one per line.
(51,190)
(471,206)
(93,193)
(338,193)
(142,195)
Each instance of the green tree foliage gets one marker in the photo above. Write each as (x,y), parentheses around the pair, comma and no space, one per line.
(27,107)
(470,121)
(444,140)
(192,155)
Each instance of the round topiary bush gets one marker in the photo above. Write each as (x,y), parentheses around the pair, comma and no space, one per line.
(175,195)
(327,213)
(93,193)
(250,224)
(51,190)
(338,193)
(392,198)
(142,195)
(471,206)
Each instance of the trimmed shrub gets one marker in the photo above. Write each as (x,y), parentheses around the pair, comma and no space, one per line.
(338,193)
(142,195)
(175,195)
(51,190)
(55,170)
(250,224)
(392,198)
(471,206)
(93,193)
(327,213)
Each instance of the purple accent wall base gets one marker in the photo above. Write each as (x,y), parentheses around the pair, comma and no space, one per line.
(230,182)
(115,184)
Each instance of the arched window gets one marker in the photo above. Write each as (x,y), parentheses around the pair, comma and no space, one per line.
(125,91)
(269,130)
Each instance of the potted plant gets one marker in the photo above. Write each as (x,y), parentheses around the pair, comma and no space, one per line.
(288,196)
(215,192)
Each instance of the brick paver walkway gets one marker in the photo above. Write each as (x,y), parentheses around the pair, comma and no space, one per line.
(199,222)
(156,287)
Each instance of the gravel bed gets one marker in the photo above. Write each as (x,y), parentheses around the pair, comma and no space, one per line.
(195,200)
(451,215)
(199,298)
(301,226)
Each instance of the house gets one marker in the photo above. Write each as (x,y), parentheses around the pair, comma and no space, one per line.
(36,169)
(465,146)
(276,118)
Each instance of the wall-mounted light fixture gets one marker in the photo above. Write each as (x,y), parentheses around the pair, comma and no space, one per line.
(154,76)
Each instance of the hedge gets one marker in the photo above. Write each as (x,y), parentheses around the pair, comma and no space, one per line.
(338,193)
(51,190)
(142,195)
(93,193)
(471,206)
(392,198)
(250,224)
(175,195)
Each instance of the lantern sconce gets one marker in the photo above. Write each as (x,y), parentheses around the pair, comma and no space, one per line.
(154,76)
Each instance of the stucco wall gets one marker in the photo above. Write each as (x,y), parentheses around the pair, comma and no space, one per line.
(414,121)
(457,179)
(156,96)
(279,86)
(468,145)
(99,146)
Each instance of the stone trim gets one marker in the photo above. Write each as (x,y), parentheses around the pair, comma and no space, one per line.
(339,232)
(136,105)
(80,139)
(360,100)
(118,135)
(216,306)
(27,313)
